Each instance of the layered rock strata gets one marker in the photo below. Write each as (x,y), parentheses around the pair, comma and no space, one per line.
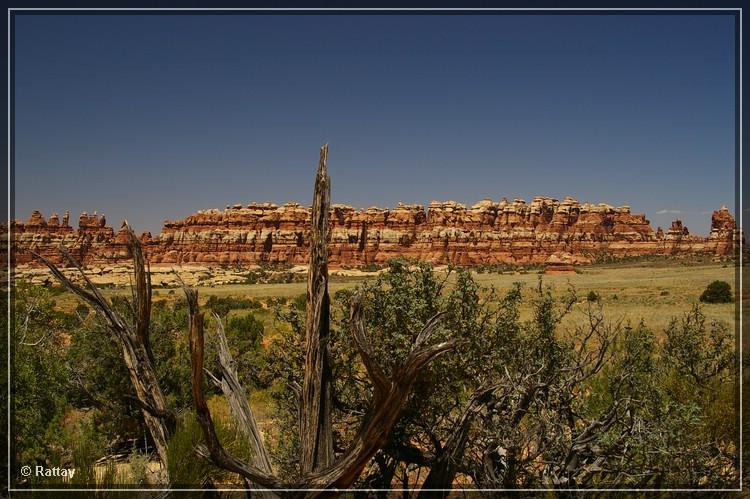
(490,232)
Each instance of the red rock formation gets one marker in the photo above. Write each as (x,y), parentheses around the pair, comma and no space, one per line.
(724,232)
(447,232)
(562,263)
(676,231)
(92,242)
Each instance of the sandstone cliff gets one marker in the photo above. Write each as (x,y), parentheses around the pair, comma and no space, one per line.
(490,232)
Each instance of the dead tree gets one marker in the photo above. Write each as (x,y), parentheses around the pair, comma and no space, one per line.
(229,383)
(322,470)
(133,338)
(316,434)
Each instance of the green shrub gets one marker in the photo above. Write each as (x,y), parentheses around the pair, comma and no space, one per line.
(371,267)
(138,462)
(40,378)
(188,470)
(592,297)
(88,447)
(244,334)
(698,349)
(223,306)
(184,467)
(717,292)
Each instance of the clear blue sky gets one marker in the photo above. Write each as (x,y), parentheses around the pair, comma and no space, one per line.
(152,117)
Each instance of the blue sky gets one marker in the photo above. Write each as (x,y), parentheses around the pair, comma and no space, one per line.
(152,117)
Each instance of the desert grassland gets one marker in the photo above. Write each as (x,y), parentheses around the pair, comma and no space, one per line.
(654,292)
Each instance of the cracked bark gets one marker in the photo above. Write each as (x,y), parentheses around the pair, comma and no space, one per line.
(316,434)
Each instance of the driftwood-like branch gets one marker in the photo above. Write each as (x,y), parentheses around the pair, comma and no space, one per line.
(428,330)
(238,405)
(133,338)
(92,297)
(316,433)
(142,277)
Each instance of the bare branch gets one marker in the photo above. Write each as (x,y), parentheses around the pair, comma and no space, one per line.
(93,298)
(238,405)
(444,470)
(377,426)
(142,277)
(427,331)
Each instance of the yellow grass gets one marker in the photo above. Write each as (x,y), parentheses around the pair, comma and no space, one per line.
(635,292)
(654,291)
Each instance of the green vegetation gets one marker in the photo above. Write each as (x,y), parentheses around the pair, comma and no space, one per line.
(717,292)
(266,275)
(505,268)
(630,385)
(75,403)
(368,267)
(40,380)
(223,305)
(538,390)
(606,258)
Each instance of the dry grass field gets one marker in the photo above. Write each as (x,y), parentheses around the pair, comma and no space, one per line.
(652,291)
(655,292)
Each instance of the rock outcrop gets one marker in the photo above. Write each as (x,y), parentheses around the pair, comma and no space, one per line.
(563,263)
(723,231)
(489,232)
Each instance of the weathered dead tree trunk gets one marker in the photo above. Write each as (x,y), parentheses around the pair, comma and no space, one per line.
(237,398)
(390,394)
(133,338)
(316,435)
